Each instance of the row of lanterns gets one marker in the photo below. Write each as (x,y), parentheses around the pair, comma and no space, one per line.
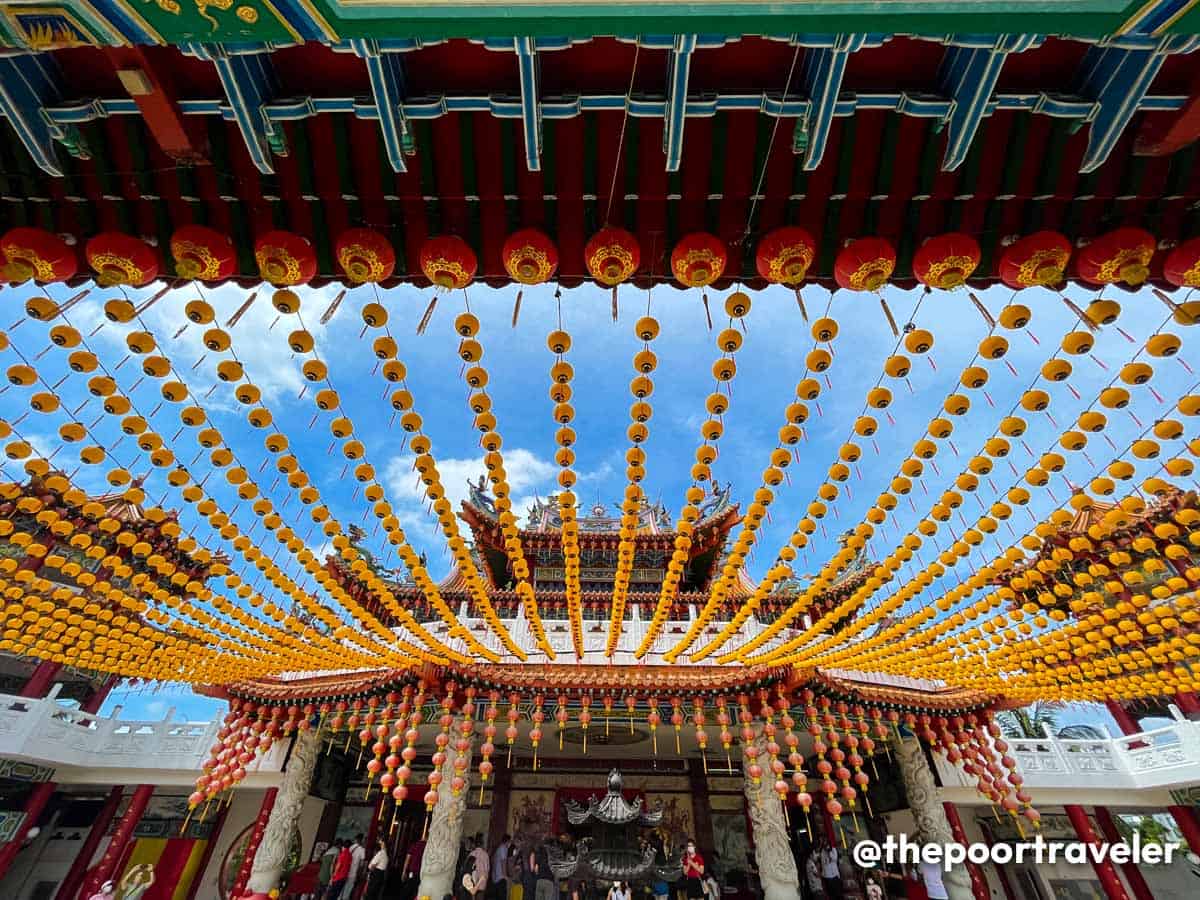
(612,256)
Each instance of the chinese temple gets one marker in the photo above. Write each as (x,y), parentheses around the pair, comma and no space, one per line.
(214,215)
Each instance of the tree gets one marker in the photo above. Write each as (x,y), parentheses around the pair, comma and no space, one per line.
(1038,720)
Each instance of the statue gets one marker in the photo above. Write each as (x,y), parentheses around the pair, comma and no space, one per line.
(480,495)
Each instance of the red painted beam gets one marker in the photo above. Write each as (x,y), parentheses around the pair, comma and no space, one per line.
(151,90)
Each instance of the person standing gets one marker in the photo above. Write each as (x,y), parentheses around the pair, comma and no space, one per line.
(480,866)
(544,888)
(377,872)
(341,871)
(358,860)
(693,872)
(831,876)
(812,876)
(500,869)
(931,874)
(325,870)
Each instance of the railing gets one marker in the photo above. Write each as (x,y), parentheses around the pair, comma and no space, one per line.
(46,733)
(1162,758)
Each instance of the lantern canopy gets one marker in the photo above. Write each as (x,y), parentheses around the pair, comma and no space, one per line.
(1038,259)
(121,259)
(1120,256)
(699,259)
(365,255)
(203,254)
(285,259)
(448,261)
(529,256)
(946,261)
(1182,267)
(785,255)
(612,256)
(865,264)
(38,254)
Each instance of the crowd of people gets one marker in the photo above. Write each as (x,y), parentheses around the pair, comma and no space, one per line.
(829,874)
(344,866)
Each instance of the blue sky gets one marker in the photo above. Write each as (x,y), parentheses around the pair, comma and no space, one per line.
(770,363)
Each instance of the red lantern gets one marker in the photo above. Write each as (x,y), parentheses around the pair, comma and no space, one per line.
(38,254)
(448,261)
(698,259)
(121,259)
(946,261)
(612,256)
(785,255)
(530,257)
(285,259)
(1039,259)
(1182,267)
(365,255)
(202,253)
(1119,256)
(865,264)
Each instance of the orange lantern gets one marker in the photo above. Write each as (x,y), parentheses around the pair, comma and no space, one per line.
(365,255)
(38,254)
(202,253)
(1182,267)
(946,261)
(784,255)
(530,257)
(285,259)
(612,256)
(1120,256)
(698,259)
(865,264)
(1039,259)
(448,261)
(121,259)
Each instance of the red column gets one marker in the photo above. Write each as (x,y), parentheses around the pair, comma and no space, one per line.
(1125,721)
(34,806)
(115,852)
(978,882)
(1189,824)
(1188,703)
(1133,874)
(70,884)
(93,703)
(1109,879)
(41,680)
(260,825)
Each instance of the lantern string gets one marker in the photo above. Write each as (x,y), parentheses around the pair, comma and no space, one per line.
(612,190)
(762,172)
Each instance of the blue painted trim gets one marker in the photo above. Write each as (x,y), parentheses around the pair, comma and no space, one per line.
(678,70)
(249,81)
(531,120)
(386,71)
(824,68)
(27,84)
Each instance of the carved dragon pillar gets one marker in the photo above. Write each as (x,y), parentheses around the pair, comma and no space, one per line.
(772,852)
(445,830)
(273,848)
(932,824)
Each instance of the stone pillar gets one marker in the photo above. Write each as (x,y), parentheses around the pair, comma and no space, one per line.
(106,869)
(1189,825)
(272,853)
(70,884)
(772,851)
(34,807)
(1110,881)
(256,836)
(445,831)
(978,882)
(1133,874)
(927,811)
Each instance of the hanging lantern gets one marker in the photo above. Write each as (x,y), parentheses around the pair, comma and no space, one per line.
(121,259)
(38,254)
(1182,267)
(365,255)
(785,255)
(865,264)
(612,256)
(202,254)
(946,261)
(1039,259)
(285,259)
(1120,256)
(448,262)
(699,259)
(529,256)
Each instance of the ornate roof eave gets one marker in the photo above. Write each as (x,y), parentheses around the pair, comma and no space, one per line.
(913,693)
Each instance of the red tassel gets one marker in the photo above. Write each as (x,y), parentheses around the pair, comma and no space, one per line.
(707,314)
(800,303)
(1087,323)
(427,316)
(517,308)
(614,303)
(241,310)
(891,320)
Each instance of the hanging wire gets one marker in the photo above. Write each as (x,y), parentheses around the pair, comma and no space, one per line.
(762,173)
(612,189)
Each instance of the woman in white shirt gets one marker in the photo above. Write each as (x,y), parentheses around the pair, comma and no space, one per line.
(376,873)
(619,891)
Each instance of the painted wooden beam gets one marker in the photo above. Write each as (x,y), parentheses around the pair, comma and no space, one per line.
(531,108)
(389,85)
(153,92)
(824,68)
(28,84)
(678,69)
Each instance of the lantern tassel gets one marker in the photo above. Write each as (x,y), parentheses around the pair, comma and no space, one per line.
(707,314)
(517,308)
(1170,304)
(149,303)
(800,303)
(241,310)
(614,303)
(427,316)
(1087,323)
(891,320)
(333,307)
(983,310)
